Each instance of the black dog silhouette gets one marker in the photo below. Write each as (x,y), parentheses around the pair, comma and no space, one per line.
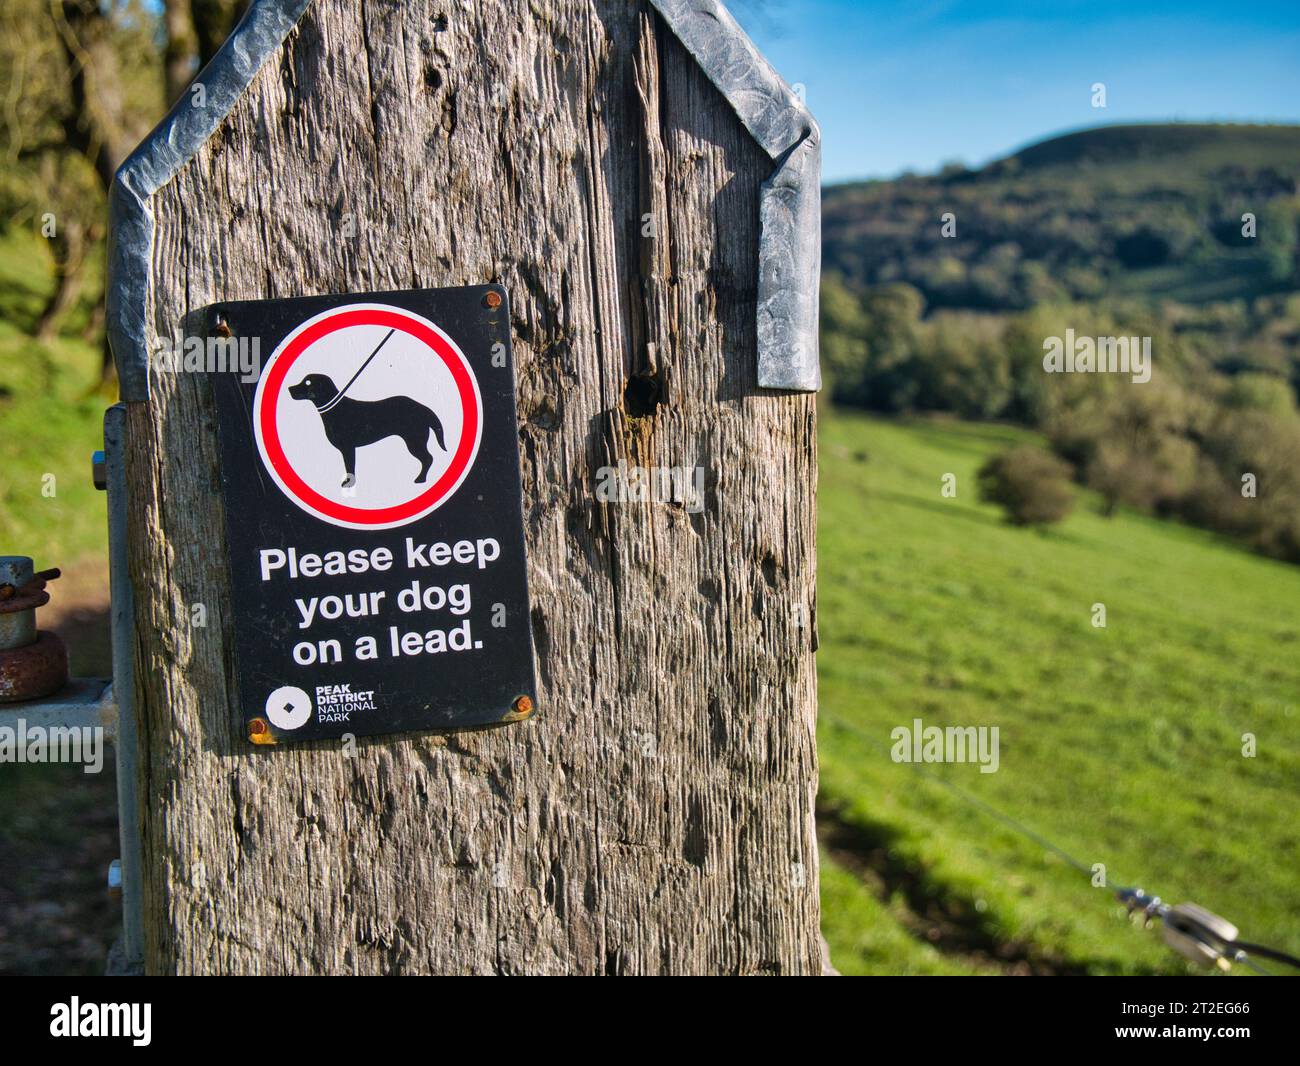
(351,424)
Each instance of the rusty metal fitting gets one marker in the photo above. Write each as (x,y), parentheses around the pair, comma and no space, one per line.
(32,663)
(34,670)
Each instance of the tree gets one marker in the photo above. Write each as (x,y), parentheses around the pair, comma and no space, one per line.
(213,20)
(81,91)
(87,78)
(1032,486)
(892,313)
(962,365)
(180,48)
(844,345)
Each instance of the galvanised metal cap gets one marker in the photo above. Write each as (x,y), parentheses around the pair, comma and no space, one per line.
(15,569)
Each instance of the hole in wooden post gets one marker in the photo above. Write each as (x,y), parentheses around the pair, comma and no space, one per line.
(643,394)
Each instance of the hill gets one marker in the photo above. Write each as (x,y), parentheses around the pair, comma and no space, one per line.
(1115,211)
(1121,745)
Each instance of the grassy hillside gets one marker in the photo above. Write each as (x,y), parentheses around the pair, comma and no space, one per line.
(1122,745)
(51,420)
(1112,212)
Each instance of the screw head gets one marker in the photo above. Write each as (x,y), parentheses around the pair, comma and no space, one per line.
(222,327)
(523,705)
(492,301)
(259,732)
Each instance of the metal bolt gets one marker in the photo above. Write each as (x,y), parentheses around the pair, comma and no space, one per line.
(523,705)
(222,327)
(492,301)
(256,727)
(99,470)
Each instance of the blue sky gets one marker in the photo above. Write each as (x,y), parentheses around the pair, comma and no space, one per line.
(913,85)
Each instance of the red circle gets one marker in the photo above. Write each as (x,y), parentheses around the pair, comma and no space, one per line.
(309,496)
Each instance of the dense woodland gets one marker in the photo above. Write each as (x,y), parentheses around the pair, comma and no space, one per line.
(939,293)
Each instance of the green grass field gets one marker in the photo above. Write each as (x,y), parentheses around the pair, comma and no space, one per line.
(1122,745)
(51,418)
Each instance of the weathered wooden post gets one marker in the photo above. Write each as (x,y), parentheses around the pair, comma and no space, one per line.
(643,191)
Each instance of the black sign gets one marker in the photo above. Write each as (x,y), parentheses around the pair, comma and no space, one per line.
(370,460)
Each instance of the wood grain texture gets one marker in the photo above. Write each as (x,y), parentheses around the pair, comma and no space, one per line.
(657,815)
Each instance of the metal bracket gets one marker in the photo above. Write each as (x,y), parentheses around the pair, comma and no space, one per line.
(790,243)
(83,703)
(1199,935)
(130,958)
(789,255)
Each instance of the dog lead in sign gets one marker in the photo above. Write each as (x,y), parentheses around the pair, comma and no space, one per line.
(352,424)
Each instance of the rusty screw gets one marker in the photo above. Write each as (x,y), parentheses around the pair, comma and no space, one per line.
(523,705)
(492,301)
(222,327)
(256,727)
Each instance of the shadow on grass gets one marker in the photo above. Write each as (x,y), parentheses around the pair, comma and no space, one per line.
(935,914)
(58,833)
(948,510)
(973,438)
(970,514)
